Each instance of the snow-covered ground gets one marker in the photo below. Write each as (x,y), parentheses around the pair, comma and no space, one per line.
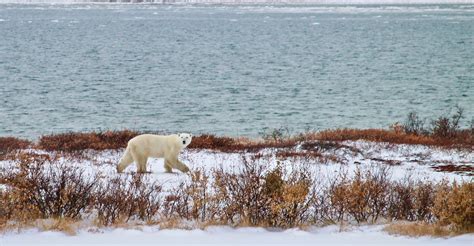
(331,235)
(415,161)
(404,160)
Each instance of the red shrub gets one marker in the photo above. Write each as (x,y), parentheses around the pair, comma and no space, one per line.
(82,141)
(10,143)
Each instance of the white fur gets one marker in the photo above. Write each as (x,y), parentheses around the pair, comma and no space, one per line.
(141,147)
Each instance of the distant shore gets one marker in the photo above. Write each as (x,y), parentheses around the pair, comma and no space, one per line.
(237,2)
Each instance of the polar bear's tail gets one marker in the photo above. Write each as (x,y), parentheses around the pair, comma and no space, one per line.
(126,160)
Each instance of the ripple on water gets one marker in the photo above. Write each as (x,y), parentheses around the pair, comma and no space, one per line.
(181,68)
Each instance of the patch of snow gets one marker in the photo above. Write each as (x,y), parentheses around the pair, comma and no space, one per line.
(152,235)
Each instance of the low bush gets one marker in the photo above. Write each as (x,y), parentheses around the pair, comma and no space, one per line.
(81,141)
(241,195)
(74,142)
(280,134)
(462,139)
(256,194)
(454,205)
(414,125)
(362,198)
(43,188)
(120,200)
(447,127)
(290,198)
(411,201)
(8,144)
(445,131)
(7,206)
(207,141)
(190,200)
(227,144)
(253,196)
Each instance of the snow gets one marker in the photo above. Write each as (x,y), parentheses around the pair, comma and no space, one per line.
(411,160)
(416,161)
(149,235)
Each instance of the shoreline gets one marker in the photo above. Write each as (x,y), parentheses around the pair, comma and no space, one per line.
(254,3)
(323,177)
(276,138)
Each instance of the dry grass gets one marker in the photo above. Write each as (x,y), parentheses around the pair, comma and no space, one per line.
(80,141)
(10,144)
(65,225)
(176,223)
(445,131)
(419,229)
(73,142)
(208,141)
(227,144)
(445,135)
(330,139)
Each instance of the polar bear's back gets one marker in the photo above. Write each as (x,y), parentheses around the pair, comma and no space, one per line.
(154,145)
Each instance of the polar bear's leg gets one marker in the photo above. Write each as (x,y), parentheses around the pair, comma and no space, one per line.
(168,166)
(141,167)
(125,161)
(180,166)
(140,160)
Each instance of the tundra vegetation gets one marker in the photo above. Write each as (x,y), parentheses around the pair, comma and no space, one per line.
(45,191)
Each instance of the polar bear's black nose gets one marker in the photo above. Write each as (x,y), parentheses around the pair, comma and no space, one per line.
(184,142)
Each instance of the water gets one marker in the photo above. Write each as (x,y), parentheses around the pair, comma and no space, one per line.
(230,70)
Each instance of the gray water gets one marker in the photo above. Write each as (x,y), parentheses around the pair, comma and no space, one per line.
(231,70)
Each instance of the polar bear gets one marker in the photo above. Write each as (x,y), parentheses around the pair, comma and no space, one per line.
(143,146)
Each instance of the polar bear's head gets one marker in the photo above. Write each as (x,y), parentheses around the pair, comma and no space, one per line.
(185,138)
